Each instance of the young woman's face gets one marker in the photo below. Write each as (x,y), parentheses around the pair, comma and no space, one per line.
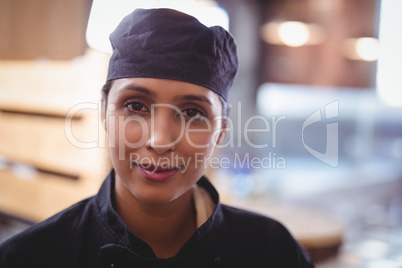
(161,133)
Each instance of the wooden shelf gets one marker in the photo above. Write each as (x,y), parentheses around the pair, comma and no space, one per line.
(37,101)
(42,195)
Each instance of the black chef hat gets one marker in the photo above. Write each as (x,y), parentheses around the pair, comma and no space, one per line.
(165,43)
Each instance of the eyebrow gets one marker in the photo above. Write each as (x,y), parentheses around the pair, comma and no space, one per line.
(195,98)
(153,94)
(139,89)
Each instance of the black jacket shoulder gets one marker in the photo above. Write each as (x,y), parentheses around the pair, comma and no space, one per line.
(56,238)
(253,234)
(79,235)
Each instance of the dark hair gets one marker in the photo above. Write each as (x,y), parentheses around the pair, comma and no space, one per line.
(108,85)
(105,92)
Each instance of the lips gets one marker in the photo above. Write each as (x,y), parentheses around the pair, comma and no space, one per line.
(157,173)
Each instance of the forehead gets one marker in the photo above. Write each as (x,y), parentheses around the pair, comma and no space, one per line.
(163,89)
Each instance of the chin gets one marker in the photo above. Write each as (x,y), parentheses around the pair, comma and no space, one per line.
(154,197)
(154,193)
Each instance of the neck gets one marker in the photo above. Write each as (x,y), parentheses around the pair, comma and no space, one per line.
(165,227)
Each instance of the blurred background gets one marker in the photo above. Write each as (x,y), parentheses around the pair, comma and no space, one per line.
(316,119)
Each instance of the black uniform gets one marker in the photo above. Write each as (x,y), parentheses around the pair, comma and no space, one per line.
(91,234)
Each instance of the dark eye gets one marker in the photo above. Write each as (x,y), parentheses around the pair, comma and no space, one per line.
(136,106)
(193,113)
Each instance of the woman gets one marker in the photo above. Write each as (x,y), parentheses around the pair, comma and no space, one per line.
(164,108)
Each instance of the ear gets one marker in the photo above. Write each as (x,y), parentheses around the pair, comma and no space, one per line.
(225,125)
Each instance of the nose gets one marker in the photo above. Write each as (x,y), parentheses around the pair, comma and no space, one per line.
(162,134)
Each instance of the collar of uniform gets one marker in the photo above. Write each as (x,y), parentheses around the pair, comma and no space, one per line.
(111,221)
(204,206)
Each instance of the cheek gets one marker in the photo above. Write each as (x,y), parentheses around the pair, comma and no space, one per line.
(129,132)
(134,132)
(198,140)
(202,135)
